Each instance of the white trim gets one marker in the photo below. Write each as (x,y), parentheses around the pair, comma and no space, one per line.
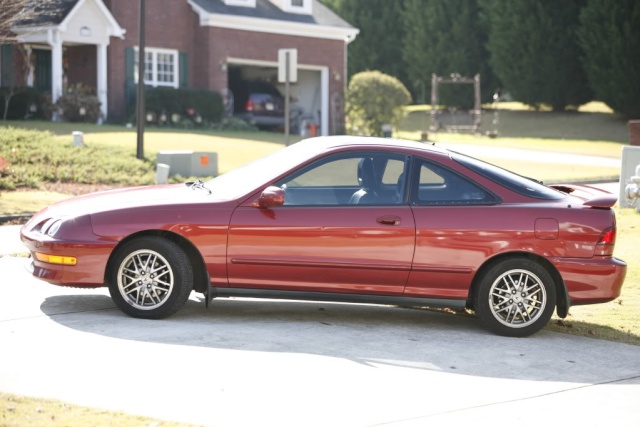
(32,34)
(272,26)
(114,28)
(240,3)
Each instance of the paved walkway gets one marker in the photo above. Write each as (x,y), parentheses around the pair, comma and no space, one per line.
(10,243)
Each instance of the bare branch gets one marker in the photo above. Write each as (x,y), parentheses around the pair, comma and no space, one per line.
(27,13)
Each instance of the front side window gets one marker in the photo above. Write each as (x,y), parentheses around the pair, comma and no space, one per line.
(161,67)
(437,185)
(348,179)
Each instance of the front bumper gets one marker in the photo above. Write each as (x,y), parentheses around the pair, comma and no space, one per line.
(92,254)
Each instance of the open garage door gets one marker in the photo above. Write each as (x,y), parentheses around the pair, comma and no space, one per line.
(258,98)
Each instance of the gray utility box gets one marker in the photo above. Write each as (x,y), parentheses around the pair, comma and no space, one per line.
(189,163)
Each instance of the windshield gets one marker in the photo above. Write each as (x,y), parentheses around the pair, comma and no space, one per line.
(512,181)
(245,179)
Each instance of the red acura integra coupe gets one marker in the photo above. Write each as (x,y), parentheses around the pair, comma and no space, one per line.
(348,219)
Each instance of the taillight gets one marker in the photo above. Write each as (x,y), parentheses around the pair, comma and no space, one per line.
(606,242)
(249,105)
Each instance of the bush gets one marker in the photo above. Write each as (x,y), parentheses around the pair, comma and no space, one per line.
(32,157)
(183,107)
(25,103)
(79,104)
(374,99)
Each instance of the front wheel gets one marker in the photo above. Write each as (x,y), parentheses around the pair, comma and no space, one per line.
(150,277)
(515,298)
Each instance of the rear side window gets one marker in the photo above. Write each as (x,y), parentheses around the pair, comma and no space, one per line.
(437,185)
(512,181)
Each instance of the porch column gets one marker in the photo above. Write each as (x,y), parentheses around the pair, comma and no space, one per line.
(101,66)
(55,42)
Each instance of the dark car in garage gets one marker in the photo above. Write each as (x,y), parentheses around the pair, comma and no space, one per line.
(259,103)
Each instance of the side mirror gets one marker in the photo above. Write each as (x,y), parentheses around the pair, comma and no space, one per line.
(271,197)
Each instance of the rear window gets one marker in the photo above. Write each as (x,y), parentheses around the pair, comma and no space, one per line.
(518,183)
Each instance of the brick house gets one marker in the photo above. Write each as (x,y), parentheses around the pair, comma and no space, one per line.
(189,43)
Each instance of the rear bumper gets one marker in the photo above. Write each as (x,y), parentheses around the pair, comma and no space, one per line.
(593,280)
(262,120)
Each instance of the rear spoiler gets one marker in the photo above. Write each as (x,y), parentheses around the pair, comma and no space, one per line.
(593,197)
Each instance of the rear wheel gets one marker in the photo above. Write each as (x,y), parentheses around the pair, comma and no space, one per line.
(150,278)
(516,298)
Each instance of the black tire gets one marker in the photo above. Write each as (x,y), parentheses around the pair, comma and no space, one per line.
(515,298)
(150,278)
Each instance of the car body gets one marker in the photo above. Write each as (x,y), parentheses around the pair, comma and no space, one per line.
(350,219)
(260,104)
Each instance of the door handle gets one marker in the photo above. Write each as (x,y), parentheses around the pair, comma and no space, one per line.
(389,220)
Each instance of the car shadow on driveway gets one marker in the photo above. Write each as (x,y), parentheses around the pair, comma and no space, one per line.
(366,334)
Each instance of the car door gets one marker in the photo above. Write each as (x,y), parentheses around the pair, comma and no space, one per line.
(344,227)
(457,228)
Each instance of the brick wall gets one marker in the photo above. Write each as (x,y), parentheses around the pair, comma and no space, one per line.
(634,132)
(84,66)
(169,24)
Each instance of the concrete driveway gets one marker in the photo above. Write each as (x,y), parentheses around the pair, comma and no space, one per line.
(278,363)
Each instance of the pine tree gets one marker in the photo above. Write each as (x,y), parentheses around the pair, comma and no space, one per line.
(534,50)
(609,34)
(379,44)
(445,37)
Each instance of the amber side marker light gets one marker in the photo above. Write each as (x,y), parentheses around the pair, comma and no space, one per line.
(56,259)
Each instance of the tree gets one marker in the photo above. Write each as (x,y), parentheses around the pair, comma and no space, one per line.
(379,44)
(534,50)
(27,12)
(374,99)
(610,38)
(445,37)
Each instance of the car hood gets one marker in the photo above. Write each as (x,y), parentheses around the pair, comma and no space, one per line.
(138,197)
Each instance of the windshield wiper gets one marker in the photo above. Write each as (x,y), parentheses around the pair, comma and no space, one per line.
(199,185)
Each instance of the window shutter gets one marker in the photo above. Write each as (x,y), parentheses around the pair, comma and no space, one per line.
(6,64)
(129,81)
(184,69)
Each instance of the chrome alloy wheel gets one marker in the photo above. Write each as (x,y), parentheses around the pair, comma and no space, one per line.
(517,298)
(145,279)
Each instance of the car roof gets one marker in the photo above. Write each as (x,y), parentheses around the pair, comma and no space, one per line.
(323,143)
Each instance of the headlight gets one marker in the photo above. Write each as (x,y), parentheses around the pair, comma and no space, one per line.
(51,227)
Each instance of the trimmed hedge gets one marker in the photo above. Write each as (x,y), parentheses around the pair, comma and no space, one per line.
(373,100)
(183,107)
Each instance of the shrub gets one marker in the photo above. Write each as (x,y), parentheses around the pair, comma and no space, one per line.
(32,157)
(79,104)
(374,99)
(22,101)
(182,107)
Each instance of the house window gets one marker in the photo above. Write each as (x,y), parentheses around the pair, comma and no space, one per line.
(161,67)
(299,6)
(303,7)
